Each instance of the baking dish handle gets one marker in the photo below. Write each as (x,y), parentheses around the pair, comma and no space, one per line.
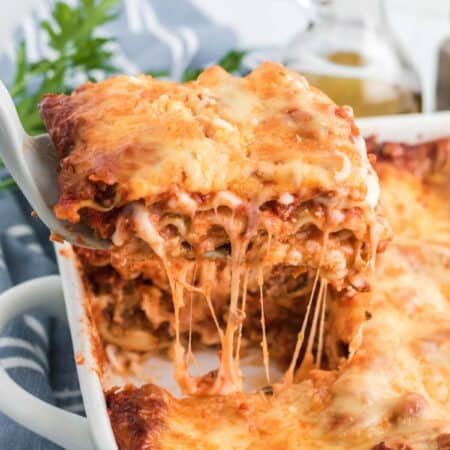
(66,429)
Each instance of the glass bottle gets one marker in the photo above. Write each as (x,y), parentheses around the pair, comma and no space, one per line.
(443,76)
(349,52)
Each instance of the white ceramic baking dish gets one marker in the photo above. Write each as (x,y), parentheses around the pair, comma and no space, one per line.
(51,293)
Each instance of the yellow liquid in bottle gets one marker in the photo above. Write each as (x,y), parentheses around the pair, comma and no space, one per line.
(366,97)
(443,81)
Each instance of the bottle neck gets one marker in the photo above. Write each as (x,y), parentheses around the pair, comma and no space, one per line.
(358,12)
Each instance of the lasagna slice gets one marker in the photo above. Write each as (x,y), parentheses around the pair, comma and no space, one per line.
(253,178)
(392,394)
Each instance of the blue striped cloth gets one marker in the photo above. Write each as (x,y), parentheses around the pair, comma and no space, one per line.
(36,349)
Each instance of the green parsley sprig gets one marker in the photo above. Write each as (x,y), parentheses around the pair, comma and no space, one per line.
(79,53)
(231,62)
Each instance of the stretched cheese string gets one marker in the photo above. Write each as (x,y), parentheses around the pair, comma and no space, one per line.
(181,365)
(146,231)
(308,358)
(288,377)
(321,328)
(376,230)
(209,268)
(188,383)
(314,325)
(205,291)
(241,323)
(229,376)
(191,298)
(264,344)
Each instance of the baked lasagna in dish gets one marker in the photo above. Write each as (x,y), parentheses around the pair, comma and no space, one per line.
(235,207)
(390,391)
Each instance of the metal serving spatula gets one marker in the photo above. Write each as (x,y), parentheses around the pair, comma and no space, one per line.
(32,162)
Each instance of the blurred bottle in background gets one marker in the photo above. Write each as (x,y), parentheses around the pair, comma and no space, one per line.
(350,53)
(443,75)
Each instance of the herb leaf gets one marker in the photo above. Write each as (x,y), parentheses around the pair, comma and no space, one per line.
(231,62)
(79,53)
(158,73)
(7,184)
(191,74)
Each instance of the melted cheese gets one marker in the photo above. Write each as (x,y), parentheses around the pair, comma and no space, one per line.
(367,171)
(228,378)
(264,343)
(345,170)
(138,221)
(146,230)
